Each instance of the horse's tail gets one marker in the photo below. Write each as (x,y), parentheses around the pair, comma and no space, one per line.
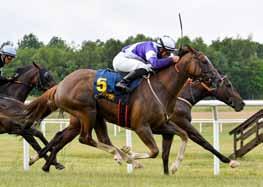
(42,106)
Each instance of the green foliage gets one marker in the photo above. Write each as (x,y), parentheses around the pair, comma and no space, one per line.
(240,59)
(30,41)
(57,42)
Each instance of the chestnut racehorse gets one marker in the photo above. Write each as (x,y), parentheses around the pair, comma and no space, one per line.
(75,95)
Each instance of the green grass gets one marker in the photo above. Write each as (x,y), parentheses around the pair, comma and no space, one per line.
(86,166)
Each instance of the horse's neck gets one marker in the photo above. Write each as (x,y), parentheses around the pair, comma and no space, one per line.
(16,91)
(19,91)
(171,83)
(193,93)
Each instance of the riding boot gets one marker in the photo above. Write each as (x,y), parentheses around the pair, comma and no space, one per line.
(123,84)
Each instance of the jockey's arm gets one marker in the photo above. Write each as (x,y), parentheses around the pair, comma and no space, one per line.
(156,63)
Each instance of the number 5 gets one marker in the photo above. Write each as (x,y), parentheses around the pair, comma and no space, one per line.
(102,84)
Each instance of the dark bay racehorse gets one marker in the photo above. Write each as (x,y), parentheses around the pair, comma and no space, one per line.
(192,93)
(75,95)
(25,79)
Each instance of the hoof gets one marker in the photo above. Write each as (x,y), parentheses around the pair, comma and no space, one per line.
(174,168)
(234,164)
(59,166)
(137,165)
(45,169)
(31,161)
(118,158)
(126,149)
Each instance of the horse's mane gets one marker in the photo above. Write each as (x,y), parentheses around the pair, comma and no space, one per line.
(23,69)
(184,50)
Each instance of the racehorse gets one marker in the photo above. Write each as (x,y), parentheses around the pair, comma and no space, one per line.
(192,93)
(74,94)
(25,79)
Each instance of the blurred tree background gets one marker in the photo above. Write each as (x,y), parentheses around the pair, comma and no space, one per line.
(240,59)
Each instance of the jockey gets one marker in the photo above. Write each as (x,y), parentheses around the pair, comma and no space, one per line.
(140,58)
(7,54)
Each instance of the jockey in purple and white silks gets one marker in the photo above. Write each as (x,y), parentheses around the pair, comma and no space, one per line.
(140,58)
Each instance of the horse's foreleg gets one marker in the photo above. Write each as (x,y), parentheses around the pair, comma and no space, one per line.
(180,156)
(195,136)
(166,147)
(171,129)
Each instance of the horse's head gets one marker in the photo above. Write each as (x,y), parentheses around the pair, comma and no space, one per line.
(198,66)
(45,79)
(35,76)
(225,92)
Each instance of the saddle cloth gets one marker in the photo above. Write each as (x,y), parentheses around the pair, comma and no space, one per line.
(104,85)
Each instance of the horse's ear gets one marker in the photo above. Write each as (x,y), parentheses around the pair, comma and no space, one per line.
(35,64)
(191,49)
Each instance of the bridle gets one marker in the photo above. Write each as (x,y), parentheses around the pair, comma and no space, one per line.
(209,88)
(38,85)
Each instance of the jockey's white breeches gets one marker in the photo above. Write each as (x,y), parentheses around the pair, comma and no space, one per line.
(125,63)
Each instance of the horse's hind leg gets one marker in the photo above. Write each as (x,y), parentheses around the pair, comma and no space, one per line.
(102,135)
(102,131)
(145,134)
(88,121)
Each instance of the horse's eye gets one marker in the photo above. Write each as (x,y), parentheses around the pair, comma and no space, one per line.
(228,85)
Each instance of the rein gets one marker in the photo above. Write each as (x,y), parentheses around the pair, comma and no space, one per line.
(207,87)
(39,83)
(157,98)
(186,101)
(28,85)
